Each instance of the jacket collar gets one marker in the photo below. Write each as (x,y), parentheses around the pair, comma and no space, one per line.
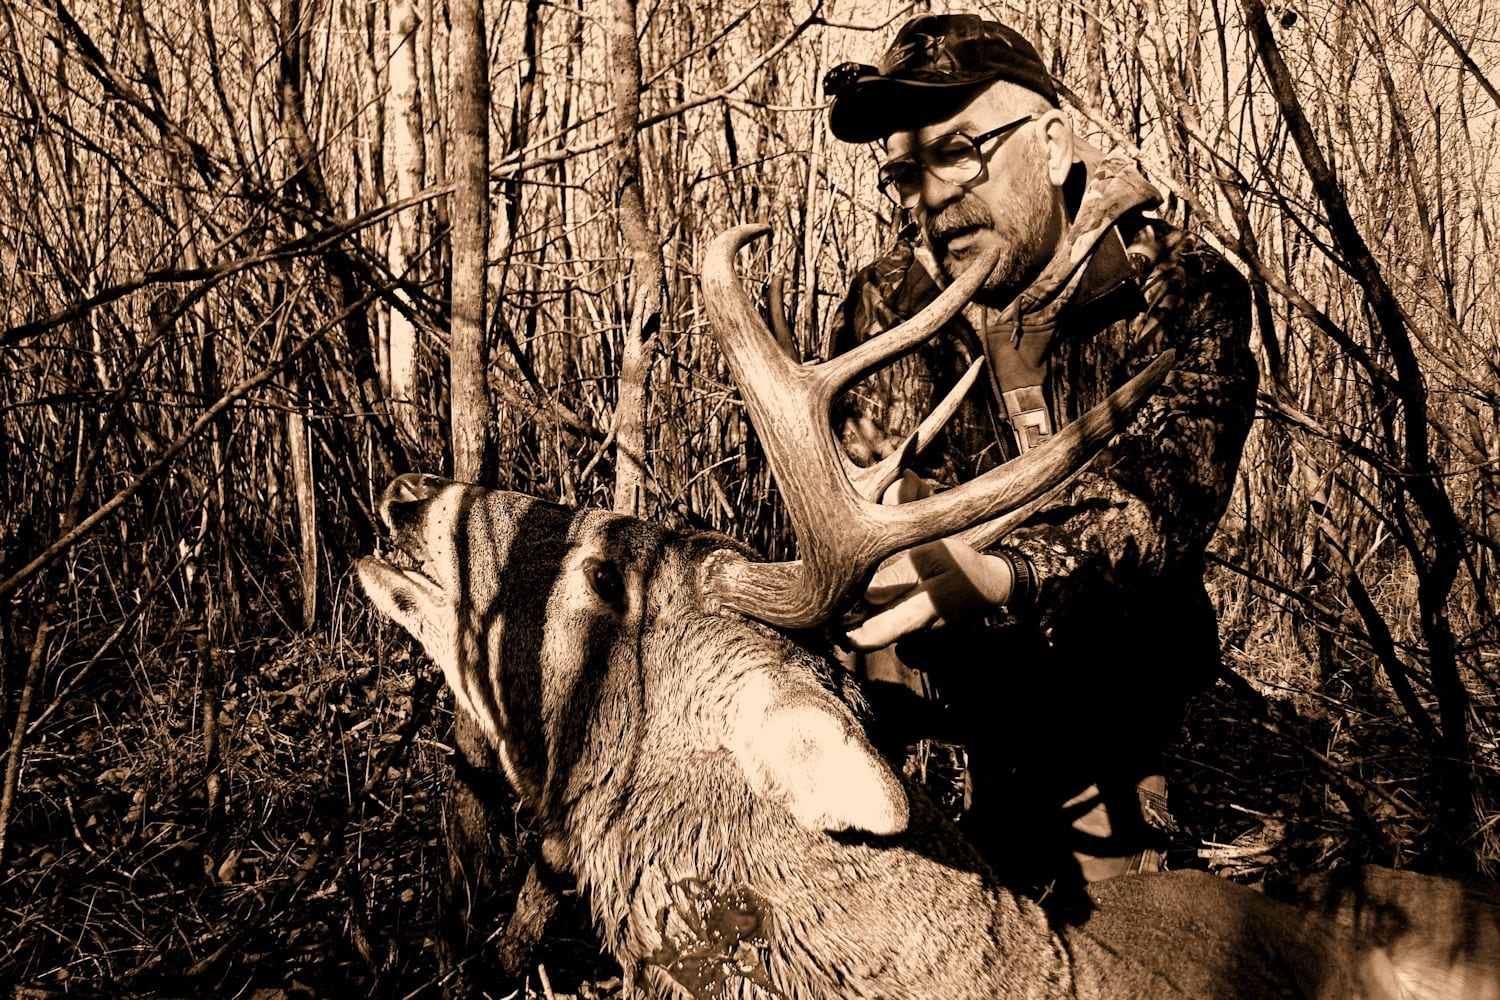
(1089,283)
(1090,261)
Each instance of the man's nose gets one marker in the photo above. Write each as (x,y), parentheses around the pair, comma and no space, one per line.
(937,193)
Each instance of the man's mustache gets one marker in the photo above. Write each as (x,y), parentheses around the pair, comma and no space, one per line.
(967,213)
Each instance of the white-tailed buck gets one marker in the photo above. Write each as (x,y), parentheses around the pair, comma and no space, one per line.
(699,775)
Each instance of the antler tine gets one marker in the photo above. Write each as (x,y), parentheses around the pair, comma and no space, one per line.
(788,404)
(908,336)
(982,536)
(1012,486)
(750,348)
(776,304)
(872,481)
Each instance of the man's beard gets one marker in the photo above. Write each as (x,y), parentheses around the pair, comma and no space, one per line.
(1019,226)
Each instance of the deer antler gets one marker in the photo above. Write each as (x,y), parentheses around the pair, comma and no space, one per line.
(842,530)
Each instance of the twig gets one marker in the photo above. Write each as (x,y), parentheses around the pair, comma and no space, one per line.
(77,830)
(303,246)
(208,686)
(18,735)
(814,17)
(603,449)
(1461,52)
(1268,722)
(62,696)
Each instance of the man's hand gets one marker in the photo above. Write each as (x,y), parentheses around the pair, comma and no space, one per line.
(932,585)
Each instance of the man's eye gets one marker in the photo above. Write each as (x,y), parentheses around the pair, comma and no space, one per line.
(899,176)
(949,151)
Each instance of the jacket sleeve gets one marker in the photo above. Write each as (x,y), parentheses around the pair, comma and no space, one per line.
(1150,503)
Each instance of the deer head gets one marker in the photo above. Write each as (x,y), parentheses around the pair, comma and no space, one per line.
(561,630)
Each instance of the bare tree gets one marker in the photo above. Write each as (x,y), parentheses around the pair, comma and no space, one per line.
(644,314)
(406,163)
(470,416)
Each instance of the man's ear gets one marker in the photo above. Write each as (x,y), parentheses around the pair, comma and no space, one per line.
(1057,140)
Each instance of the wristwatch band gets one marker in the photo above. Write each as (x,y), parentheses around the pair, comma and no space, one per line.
(1023,590)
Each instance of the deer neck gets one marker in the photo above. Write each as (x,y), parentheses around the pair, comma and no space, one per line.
(842,915)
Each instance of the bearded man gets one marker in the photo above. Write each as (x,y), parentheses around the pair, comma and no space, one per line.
(1062,659)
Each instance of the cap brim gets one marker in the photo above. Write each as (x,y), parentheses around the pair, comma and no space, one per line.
(874,107)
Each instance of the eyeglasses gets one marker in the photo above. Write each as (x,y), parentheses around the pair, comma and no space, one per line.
(954,158)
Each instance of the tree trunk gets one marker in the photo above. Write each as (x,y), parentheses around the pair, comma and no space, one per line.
(469,416)
(479,816)
(406,163)
(299,451)
(645,262)
(308,177)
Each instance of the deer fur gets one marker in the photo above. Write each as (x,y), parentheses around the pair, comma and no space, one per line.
(662,745)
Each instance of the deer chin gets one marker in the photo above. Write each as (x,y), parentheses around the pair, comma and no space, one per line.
(406,593)
(411,598)
(404,580)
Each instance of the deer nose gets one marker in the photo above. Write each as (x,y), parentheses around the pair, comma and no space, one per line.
(405,490)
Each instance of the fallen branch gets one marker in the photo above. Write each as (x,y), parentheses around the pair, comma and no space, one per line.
(18,735)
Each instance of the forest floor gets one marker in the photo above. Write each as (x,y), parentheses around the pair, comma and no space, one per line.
(317,876)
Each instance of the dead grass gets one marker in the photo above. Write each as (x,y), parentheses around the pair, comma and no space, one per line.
(1275,781)
(119,881)
(319,877)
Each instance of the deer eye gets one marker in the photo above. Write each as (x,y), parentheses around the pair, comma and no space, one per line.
(604,577)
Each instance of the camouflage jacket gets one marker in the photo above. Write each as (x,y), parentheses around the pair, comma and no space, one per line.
(1134,526)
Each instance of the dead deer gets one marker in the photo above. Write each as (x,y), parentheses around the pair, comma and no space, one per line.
(734,830)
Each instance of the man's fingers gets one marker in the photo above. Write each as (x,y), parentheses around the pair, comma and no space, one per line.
(885,593)
(896,572)
(907,615)
(967,577)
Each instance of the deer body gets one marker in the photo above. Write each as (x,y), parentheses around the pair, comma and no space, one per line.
(660,742)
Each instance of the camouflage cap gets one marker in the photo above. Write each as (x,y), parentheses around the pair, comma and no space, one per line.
(933,56)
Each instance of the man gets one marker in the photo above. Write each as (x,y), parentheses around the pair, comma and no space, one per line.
(1062,658)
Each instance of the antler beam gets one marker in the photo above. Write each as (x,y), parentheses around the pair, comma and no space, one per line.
(842,530)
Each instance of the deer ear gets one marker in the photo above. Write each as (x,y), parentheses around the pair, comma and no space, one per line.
(798,745)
